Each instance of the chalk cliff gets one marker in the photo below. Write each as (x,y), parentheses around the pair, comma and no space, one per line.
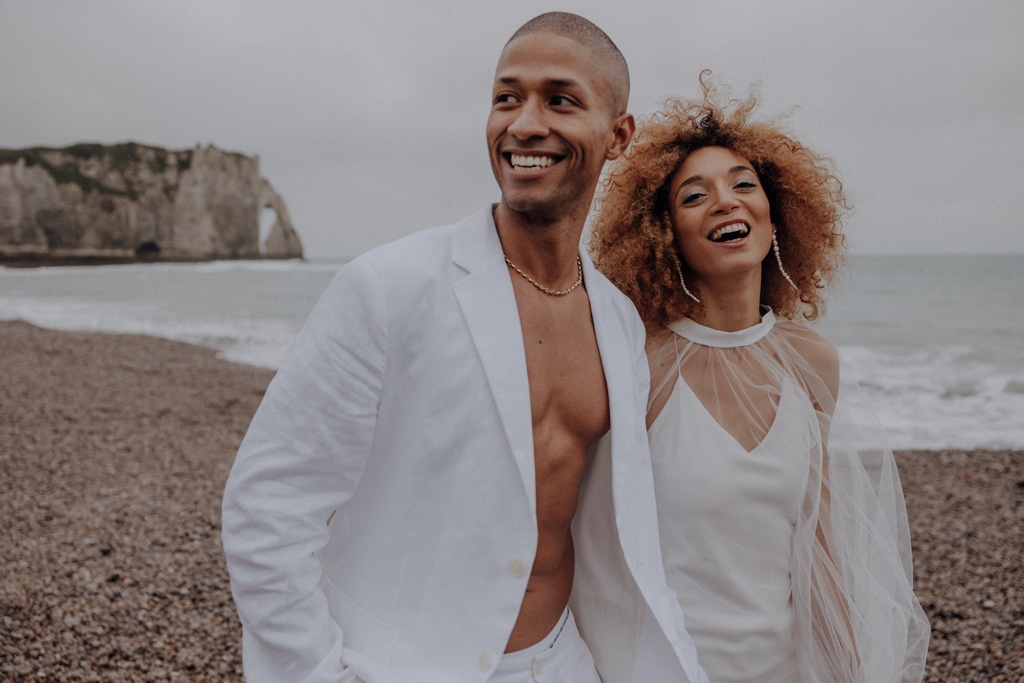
(128,202)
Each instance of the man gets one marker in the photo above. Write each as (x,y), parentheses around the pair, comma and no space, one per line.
(454,450)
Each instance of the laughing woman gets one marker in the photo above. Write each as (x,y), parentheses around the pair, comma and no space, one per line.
(784,535)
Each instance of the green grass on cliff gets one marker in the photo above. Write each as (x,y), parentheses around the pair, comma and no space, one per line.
(123,158)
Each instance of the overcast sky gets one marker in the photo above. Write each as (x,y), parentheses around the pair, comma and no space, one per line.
(368,115)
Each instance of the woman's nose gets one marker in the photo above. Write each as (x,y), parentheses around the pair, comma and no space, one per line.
(724,201)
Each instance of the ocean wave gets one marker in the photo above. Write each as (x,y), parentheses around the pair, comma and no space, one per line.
(943,397)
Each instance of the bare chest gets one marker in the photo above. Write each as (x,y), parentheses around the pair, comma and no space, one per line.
(567,383)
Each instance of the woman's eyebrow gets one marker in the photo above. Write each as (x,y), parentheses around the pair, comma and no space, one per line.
(698,178)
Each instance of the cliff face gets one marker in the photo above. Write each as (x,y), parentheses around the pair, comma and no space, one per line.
(131,201)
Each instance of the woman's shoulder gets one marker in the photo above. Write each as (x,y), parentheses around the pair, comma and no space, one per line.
(816,353)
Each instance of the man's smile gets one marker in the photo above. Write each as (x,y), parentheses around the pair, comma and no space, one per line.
(529,162)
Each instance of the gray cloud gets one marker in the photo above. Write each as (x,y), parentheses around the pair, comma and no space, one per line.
(369,116)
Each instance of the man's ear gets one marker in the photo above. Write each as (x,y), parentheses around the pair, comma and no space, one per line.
(623,128)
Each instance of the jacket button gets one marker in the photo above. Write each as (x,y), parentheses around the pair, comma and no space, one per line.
(486,661)
(516,568)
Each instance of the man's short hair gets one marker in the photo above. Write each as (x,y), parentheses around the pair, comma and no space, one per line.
(586,33)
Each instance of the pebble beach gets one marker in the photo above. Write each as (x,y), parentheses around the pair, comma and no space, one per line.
(114,450)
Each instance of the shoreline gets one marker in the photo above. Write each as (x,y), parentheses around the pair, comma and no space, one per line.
(49,260)
(114,450)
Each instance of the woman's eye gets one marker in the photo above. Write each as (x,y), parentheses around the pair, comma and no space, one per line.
(746,185)
(691,197)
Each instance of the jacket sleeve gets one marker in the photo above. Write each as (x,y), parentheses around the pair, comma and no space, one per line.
(301,459)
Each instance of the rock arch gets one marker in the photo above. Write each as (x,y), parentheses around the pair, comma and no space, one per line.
(281,241)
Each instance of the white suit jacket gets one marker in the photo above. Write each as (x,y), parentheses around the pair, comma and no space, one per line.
(380,517)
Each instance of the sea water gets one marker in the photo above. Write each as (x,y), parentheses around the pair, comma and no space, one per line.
(937,342)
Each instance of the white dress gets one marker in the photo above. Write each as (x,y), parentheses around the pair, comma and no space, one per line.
(762,525)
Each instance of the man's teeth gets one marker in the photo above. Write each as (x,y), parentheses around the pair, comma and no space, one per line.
(728,231)
(520,161)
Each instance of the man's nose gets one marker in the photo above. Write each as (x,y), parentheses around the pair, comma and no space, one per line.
(530,121)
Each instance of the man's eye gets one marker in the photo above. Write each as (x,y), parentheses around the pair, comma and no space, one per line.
(562,101)
(504,98)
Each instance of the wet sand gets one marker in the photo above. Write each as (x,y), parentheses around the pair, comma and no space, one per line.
(114,450)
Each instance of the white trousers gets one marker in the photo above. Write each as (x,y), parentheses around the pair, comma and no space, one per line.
(560,657)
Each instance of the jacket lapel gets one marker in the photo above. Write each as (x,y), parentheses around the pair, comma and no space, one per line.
(617,359)
(616,356)
(489,307)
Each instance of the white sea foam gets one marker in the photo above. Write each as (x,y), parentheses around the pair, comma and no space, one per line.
(941,398)
(262,343)
(248,311)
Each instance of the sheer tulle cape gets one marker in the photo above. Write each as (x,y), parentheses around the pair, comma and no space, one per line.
(855,613)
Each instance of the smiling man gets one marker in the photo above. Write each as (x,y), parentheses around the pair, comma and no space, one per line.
(448,478)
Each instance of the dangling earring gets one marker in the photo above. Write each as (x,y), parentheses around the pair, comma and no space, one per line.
(683,283)
(778,259)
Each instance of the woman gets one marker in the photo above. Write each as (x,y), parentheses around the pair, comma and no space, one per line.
(784,536)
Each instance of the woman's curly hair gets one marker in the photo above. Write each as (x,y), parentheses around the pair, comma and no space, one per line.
(632,239)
